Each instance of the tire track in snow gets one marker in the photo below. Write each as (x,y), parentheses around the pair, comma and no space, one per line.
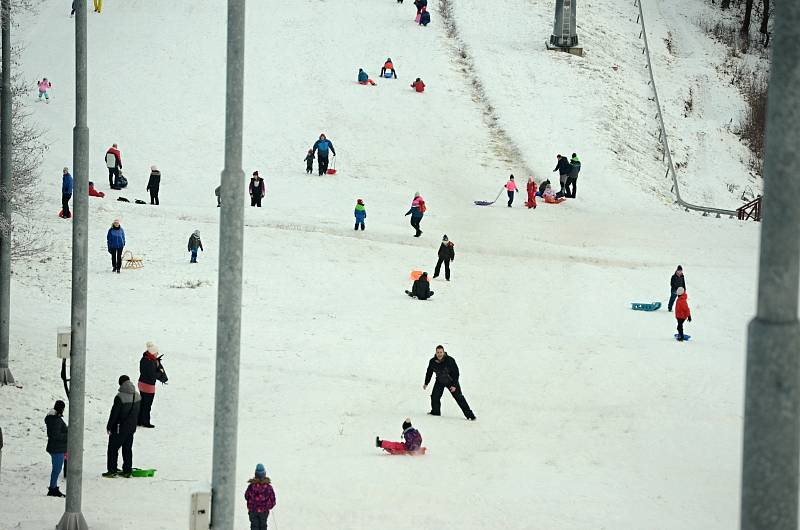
(502,144)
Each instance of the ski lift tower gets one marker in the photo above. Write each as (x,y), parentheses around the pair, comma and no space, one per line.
(565,36)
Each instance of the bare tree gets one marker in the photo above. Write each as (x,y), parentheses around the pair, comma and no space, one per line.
(764,29)
(748,12)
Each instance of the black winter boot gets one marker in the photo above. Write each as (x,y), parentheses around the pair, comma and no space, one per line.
(377,442)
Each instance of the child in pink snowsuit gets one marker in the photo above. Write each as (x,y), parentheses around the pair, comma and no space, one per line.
(260,499)
(511,188)
(44,86)
(411,444)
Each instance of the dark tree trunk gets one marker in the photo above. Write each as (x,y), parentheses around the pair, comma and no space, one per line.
(725,4)
(748,11)
(765,24)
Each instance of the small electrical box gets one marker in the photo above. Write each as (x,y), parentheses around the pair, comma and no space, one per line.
(64,346)
(200,510)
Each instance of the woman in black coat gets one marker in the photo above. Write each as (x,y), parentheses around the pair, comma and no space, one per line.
(56,445)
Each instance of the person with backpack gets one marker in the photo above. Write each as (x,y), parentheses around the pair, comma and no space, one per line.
(418,85)
(417,211)
(447,253)
(114,165)
(447,374)
(511,189)
(66,193)
(682,312)
(531,202)
(44,85)
(153,184)
(121,427)
(563,167)
(677,280)
(321,147)
(411,444)
(421,288)
(572,179)
(150,371)
(260,497)
(194,244)
(360,213)
(56,445)
(388,66)
(258,189)
(116,243)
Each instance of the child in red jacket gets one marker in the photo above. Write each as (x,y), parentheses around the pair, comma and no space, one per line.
(682,313)
(260,498)
(418,85)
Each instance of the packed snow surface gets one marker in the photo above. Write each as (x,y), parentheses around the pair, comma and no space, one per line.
(590,415)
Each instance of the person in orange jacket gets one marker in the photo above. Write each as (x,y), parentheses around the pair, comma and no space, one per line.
(531,202)
(418,85)
(682,312)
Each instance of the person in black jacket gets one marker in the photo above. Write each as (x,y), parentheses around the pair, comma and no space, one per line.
(421,289)
(676,281)
(150,371)
(56,445)
(153,184)
(447,254)
(564,168)
(121,426)
(446,371)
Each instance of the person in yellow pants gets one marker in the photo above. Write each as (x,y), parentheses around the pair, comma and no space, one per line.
(98,6)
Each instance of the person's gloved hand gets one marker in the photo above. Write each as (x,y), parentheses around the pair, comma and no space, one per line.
(690,319)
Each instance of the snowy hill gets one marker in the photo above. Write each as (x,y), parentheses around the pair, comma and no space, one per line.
(589,415)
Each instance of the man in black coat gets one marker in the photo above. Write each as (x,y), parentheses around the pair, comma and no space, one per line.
(447,253)
(446,371)
(564,168)
(676,281)
(121,426)
(421,289)
(153,184)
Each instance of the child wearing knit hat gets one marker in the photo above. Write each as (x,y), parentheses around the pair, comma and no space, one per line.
(260,498)
(411,444)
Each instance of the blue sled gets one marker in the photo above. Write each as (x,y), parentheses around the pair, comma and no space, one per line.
(685,336)
(637,306)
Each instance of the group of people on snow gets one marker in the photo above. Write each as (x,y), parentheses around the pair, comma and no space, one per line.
(387,71)
(568,169)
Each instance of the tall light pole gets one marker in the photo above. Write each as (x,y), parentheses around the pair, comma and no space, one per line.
(73,517)
(229,297)
(6,139)
(772,394)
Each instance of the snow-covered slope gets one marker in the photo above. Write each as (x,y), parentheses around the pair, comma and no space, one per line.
(589,414)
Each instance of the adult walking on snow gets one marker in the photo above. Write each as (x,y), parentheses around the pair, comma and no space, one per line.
(153,184)
(572,179)
(447,253)
(531,188)
(563,168)
(150,371)
(511,189)
(66,193)
(56,445)
(257,189)
(321,147)
(114,165)
(677,281)
(116,242)
(446,371)
(417,211)
(121,427)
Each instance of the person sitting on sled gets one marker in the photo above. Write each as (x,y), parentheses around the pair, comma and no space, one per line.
(550,196)
(388,66)
(411,444)
(421,289)
(93,191)
(363,78)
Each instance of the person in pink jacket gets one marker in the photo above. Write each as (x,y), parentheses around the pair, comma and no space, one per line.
(511,188)
(44,86)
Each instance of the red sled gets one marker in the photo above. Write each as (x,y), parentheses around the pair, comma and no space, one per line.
(332,171)
(419,452)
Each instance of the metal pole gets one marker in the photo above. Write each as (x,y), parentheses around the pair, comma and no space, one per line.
(229,301)
(772,393)
(6,378)
(73,517)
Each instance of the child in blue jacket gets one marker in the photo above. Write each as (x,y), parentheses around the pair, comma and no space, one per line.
(360,213)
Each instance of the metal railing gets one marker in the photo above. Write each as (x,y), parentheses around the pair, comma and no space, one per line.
(663,133)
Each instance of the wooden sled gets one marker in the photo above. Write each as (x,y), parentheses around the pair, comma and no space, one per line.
(130,262)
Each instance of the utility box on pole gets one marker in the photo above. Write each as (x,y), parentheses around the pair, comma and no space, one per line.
(565,34)
(200,509)
(64,343)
